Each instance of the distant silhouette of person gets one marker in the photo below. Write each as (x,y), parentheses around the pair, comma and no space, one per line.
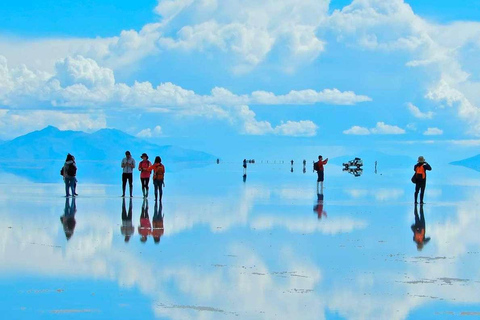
(318,166)
(69,173)
(304,162)
(218,161)
(143,167)
(421,169)
(128,163)
(145,227)
(244,166)
(158,177)
(291,162)
(157,222)
(127,228)
(291,169)
(318,207)
(419,229)
(375,167)
(68,218)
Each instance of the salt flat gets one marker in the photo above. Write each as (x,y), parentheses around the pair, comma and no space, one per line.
(260,249)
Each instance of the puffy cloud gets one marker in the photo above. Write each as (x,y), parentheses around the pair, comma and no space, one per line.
(149,133)
(80,70)
(357,130)
(305,128)
(433,132)
(380,128)
(415,111)
(332,96)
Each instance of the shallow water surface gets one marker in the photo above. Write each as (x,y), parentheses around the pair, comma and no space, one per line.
(219,247)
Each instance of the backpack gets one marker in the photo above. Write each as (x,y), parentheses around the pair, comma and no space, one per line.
(158,172)
(71,170)
(61,171)
(315,166)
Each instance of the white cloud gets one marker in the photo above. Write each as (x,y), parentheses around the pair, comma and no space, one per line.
(357,130)
(305,128)
(417,113)
(433,132)
(149,133)
(380,128)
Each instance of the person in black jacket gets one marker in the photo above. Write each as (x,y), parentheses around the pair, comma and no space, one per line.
(421,177)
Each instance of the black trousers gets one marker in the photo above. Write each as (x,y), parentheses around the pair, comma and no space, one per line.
(127,177)
(420,187)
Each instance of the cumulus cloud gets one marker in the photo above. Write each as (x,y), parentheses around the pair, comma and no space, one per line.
(433,132)
(149,133)
(81,82)
(415,111)
(380,128)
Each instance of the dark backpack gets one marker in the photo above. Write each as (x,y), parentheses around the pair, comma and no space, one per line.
(61,171)
(71,170)
(315,166)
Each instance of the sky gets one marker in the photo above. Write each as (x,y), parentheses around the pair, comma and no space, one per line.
(243,74)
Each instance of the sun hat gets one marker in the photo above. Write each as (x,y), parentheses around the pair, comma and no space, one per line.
(421,159)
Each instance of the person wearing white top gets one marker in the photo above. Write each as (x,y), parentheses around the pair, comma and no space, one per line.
(128,163)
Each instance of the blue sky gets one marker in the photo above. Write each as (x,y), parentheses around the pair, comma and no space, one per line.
(222,73)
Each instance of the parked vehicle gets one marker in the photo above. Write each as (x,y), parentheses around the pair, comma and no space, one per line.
(357,162)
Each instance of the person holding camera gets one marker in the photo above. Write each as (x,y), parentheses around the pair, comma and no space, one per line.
(421,169)
(128,163)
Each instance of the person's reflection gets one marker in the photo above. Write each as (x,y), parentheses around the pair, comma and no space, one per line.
(127,228)
(68,218)
(157,222)
(145,227)
(419,229)
(244,178)
(318,207)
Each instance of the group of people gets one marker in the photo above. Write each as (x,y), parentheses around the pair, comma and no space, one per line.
(155,228)
(69,173)
(146,168)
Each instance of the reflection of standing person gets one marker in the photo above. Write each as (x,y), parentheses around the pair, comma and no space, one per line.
(157,222)
(421,169)
(318,207)
(127,228)
(69,173)
(145,227)
(128,163)
(244,166)
(318,166)
(375,167)
(419,229)
(68,218)
(143,167)
(158,176)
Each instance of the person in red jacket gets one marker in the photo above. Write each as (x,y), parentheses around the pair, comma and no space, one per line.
(145,227)
(318,166)
(158,177)
(144,173)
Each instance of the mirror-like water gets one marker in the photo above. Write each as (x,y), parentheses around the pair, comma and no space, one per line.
(220,247)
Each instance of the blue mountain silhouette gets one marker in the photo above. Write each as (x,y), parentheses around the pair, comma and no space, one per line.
(39,155)
(472,162)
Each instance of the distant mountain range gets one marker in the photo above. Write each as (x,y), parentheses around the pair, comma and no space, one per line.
(39,155)
(472,162)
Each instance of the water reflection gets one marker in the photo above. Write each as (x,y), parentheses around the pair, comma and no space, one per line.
(356,172)
(419,229)
(318,207)
(127,228)
(157,222)
(145,227)
(68,218)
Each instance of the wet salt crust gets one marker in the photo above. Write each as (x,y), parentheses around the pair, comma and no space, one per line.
(265,248)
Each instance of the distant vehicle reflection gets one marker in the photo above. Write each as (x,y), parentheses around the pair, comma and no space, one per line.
(318,207)
(419,229)
(157,222)
(127,228)
(357,172)
(145,227)
(68,218)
